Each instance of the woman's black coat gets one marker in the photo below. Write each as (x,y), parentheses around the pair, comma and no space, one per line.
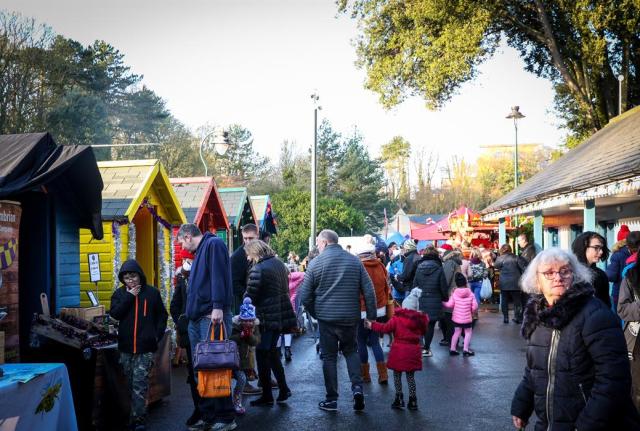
(430,278)
(591,384)
(268,288)
(511,268)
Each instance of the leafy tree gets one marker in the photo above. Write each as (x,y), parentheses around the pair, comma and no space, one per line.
(430,48)
(293,208)
(395,159)
(329,153)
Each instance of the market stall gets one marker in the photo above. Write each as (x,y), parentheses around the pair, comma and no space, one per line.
(202,205)
(264,212)
(239,212)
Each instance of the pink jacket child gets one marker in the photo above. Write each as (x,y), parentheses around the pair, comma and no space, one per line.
(464,305)
(295,280)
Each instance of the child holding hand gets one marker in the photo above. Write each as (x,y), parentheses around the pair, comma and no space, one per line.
(246,334)
(407,325)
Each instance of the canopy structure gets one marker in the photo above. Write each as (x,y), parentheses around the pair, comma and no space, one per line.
(396,237)
(33,161)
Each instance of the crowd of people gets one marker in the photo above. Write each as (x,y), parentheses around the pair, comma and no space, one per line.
(582,365)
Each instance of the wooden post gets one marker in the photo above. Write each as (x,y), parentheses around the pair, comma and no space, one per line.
(502,231)
(589,215)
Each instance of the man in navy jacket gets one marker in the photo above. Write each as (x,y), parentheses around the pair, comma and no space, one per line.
(209,302)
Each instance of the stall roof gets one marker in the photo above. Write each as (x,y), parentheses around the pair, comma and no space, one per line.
(195,194)
(234,200)
(33,160)
(261,205)
(126,184)
(598,167)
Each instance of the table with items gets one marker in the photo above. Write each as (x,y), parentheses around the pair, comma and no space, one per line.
(36,397)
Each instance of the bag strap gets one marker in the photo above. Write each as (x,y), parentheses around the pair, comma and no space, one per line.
(223,335)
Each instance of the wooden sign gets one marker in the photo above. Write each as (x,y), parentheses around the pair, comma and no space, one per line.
(9,297)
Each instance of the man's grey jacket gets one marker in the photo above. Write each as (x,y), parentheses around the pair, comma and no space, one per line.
(332,287)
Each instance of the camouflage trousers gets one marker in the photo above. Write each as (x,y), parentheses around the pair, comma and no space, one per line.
(137,367)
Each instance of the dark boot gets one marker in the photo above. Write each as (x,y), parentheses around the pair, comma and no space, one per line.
(398,403)
(264,376)
(413,403)
(287,354)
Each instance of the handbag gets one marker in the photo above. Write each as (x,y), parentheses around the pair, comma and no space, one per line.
(486,290)
(214,383)
(216,354)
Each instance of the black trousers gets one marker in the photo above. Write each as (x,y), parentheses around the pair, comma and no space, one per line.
(191,380)
(428,336)
(268,360)
(514,296)
(446,325)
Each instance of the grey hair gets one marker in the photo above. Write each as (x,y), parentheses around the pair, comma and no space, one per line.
(529,281)
(328,235)
(189,229)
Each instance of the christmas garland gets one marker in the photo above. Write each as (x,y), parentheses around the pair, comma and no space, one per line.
(117,248)
(145,204)
(131,252)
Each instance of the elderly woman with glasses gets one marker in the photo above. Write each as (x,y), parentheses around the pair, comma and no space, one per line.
(591,248)
(577,373)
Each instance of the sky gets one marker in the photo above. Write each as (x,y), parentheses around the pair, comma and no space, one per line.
(256,63)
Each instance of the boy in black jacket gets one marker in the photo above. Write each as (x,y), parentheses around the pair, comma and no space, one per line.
(142,321)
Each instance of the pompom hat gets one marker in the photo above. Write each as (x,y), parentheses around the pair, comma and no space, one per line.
(247,310)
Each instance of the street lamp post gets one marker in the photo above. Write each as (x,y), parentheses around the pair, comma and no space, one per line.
(220,144)
(515,114)
(620,79)
(316,108)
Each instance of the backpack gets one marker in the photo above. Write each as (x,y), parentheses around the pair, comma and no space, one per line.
(478,272)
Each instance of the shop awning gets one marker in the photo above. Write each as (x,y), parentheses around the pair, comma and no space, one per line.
(33,161)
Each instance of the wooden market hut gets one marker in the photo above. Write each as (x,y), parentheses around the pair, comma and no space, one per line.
(58,190)
(239,212)
(264,212)
(139,211)
(595,186)
(202,205)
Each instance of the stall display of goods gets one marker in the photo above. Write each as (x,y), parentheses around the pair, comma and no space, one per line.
(74,331)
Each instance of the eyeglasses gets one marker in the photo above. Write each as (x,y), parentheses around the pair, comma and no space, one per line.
(597,248)
(563,273)
(129,276)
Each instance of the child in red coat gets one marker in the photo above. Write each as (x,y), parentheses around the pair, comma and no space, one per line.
(408,325)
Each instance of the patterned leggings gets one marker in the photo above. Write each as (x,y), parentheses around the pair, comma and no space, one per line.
(411,381)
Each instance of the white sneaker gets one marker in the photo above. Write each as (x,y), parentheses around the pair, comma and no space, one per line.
(426,353)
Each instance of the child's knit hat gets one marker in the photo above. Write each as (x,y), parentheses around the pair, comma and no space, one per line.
(247,310)
(412,301)
(461,280)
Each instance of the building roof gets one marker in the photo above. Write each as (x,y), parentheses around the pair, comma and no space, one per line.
(197,196)
(234,201)
(259,204)
(598,167)
(126,184)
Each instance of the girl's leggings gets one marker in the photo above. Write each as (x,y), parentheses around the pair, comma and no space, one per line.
(467,338)
(411,381)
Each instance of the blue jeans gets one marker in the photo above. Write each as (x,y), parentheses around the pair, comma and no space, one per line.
(476,287)
(213,410)
(398,296)
(368,337)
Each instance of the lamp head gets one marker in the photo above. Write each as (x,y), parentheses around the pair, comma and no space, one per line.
(515,113)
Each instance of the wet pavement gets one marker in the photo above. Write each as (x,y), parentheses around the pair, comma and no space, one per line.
(454,393)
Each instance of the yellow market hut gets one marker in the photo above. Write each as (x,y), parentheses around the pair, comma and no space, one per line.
(139,210)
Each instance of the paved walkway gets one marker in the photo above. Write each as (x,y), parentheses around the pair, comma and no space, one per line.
(454,393)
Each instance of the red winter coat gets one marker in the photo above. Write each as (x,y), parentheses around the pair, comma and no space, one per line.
(407,326)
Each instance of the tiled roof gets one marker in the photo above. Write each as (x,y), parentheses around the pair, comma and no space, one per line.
(233,200)
(121,185)
(190,196)
(259,204)
(611,154)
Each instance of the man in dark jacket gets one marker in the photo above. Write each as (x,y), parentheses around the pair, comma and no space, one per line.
(431,280)
(240,266)
(451,264)
(209,303)
(410,263)
(177,308)
(142,321)
(527,254)
(331,292)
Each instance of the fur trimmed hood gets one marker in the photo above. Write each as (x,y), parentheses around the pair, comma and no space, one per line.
(416,318)
(236,321)
(537,311)
(453,254)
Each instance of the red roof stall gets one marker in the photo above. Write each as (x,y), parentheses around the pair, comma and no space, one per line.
(201,203)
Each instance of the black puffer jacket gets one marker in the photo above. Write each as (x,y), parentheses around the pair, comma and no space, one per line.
(430,278)
(577,374)
(408,271)
(142,318)
(511,268)
(268,288)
